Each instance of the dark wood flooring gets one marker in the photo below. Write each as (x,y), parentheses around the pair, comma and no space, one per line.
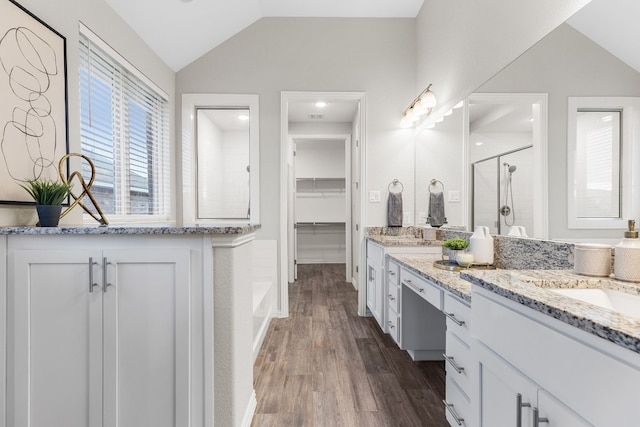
(326,366)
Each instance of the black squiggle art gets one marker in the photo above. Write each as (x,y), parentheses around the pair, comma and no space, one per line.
(29,63)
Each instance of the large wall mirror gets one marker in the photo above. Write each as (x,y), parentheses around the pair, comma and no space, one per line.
(574,60)
(220,159)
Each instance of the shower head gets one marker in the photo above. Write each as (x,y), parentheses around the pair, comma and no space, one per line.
(512,168)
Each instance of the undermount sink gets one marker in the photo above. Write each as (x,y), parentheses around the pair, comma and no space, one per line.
(620,302)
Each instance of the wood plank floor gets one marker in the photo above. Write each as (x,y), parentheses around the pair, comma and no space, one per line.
(326,366)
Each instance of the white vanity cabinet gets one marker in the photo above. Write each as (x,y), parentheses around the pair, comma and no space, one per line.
(393,301)
(378,275)
(532,366)
(459,363)
(99,334)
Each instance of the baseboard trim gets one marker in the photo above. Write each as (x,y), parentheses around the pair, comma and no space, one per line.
(251,410)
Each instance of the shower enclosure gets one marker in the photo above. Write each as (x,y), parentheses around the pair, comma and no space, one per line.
(503,191)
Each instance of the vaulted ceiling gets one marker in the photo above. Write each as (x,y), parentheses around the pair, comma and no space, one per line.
(180,31)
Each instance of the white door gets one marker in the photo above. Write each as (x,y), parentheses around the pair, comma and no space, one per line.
(54,368)
(146,338)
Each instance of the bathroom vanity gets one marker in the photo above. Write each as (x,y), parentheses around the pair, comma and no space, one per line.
(138,326)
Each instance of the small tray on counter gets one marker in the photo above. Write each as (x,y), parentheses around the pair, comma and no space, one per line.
(446,265)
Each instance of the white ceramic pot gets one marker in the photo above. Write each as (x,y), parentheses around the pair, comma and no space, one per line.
(481,245)
(626,264)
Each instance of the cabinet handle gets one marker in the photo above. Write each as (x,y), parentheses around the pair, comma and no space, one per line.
(106,284)
(455,366)
(519,406)
(415,287)
(536,418)
(92,284)
(453,319)
(372,274)
(392,273)
(391,297)
(391,325)
(452,411)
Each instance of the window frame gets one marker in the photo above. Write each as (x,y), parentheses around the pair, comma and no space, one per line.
(629,108)
(122,186)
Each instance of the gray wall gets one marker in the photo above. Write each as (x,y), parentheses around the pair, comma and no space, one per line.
(563,64)
(376,56)
(64,16)
(461,44)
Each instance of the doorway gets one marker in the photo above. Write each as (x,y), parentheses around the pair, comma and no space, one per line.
(317,120)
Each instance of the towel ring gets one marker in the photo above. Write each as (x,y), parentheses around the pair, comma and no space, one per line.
(434,183)
(395,183)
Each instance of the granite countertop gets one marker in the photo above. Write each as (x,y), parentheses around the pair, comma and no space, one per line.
(132,230)
(422,265)
(531,288)
(404,240)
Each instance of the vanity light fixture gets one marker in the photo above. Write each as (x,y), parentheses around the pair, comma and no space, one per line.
(321,104)
(243,117)
(448,113)
(458,105)
(419,108)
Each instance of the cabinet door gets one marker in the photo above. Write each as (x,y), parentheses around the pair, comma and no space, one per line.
(54,331)
(507,397)
(374,290)
(556,413)
(146,338)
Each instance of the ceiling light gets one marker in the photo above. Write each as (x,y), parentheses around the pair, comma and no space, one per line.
(531,119)
(243,117)
(479,143)
(321,104)
(186,1)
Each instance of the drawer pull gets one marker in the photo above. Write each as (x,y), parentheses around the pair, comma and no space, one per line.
(453,319)
(519,406)
(411,285)
(536,418)
(452,411)
(392,273)
(391,325)
(453,364)
(391,297)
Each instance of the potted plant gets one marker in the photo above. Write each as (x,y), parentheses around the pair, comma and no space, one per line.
(49,196)
(454,246)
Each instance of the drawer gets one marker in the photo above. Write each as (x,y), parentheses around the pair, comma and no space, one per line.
(393,273)
(458,314)
(422,287)
(375,253)
(458,406)
(458,362)
(393,298)
(393,324)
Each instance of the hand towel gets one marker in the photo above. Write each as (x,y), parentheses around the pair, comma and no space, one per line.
(436,209)
(394,210)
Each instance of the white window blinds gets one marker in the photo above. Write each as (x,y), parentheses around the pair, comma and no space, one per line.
(124,130)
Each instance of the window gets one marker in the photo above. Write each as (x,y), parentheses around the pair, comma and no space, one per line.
(124,130)
(601,165)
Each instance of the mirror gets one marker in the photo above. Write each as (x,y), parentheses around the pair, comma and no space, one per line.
(220,159)
(223,156)
(564,64)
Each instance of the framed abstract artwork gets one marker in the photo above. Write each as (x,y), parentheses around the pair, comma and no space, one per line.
(33,101)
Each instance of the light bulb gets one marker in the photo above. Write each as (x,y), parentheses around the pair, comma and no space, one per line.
(428,100)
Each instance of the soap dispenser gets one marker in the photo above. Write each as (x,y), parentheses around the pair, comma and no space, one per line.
(626,265)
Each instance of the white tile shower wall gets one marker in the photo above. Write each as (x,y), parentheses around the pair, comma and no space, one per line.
(209,177)
(235,177)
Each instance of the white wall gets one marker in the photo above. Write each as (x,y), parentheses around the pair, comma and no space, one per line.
(64,16)
(376,56)
(461,44)
(563,64)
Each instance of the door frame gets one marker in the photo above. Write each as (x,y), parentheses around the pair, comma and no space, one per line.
(286,221)
(346,139)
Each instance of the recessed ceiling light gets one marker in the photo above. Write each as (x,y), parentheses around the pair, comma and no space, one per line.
(479,143)
(186,1)
(321,104)
(243,117)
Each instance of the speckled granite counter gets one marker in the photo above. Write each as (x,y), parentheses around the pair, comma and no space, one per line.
(531,288)
(130,230)
(422,265)
(403,241)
